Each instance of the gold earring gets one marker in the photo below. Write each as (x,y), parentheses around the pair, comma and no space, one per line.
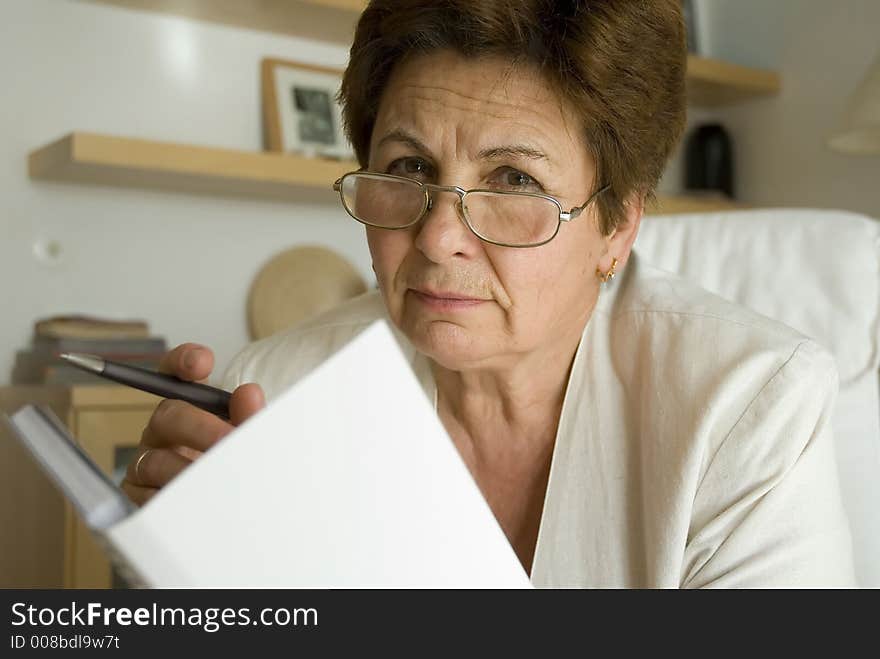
(606,277)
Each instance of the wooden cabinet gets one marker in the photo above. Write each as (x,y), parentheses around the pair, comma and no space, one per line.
(44,543)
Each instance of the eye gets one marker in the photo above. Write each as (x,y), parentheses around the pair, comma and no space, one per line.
(411,167)
(514,180)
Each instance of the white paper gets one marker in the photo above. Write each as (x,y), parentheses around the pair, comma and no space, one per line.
(346,480)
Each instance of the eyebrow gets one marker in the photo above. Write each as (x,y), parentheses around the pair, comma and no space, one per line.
(512,151)
(404,137)
(491,153)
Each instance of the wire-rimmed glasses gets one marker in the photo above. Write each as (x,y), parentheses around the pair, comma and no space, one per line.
(506,218)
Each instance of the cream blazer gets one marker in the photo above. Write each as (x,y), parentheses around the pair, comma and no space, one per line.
(694,447)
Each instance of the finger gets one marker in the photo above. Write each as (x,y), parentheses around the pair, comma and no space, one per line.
(246,400)
(189,453)
(188,361)
(176,423)
(139,495)
(155,467)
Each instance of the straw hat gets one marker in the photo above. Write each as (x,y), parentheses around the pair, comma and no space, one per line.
(297,284)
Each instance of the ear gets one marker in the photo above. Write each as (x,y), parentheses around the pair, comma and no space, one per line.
(619,243)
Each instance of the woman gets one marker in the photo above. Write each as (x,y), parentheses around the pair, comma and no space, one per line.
(647,434)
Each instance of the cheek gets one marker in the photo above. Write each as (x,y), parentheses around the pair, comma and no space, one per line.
(388,250)
(531,277)
(547,283)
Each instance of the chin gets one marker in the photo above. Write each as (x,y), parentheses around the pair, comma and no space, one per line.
(450,345)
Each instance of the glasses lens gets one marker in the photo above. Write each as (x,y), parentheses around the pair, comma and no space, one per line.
(512,219)
(382,202)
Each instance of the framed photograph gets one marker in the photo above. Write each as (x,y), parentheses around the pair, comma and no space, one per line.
(300,111)
(690,22)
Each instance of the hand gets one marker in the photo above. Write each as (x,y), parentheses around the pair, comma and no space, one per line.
(177,432)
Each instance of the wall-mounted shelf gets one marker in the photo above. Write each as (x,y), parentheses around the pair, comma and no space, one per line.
(710,82)
(695,203)
(325,20)
(713,83)
(128,162)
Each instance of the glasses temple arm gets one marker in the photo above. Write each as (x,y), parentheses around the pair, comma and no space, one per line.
(577,210)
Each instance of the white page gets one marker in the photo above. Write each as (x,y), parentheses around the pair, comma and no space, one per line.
(348,479)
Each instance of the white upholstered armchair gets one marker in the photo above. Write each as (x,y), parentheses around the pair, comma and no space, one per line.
(818,272)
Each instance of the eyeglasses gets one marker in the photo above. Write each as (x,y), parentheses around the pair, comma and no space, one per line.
(509,219)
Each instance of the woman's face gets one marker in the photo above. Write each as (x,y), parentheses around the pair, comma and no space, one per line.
(478,123)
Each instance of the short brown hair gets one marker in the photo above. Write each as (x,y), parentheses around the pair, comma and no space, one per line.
(622,63)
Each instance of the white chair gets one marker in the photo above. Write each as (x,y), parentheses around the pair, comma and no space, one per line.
(819,273)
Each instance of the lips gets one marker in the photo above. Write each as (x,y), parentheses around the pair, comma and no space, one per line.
(451,296)
(446,302)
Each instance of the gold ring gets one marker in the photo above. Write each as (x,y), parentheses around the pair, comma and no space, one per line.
(137,466)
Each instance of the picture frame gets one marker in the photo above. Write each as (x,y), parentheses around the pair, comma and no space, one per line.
(300,112)
(690,21)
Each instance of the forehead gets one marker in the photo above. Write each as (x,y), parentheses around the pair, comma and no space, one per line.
(477,92)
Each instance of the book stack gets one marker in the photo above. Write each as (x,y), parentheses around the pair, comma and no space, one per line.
(126,341)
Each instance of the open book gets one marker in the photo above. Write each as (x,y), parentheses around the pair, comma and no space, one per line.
(346,480)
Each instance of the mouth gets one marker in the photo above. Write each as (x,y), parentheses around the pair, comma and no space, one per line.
(446,300)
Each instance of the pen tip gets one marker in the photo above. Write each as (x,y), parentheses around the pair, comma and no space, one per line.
(87,362)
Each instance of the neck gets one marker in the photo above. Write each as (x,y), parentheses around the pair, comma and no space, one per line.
(512,408)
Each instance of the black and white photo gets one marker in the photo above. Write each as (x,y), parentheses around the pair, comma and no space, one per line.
(300,110)
(314,115)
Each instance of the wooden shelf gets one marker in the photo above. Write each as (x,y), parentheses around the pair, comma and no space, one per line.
(325,20)
(349,5)
(714,83)
(127,162)
(710,82)
(693,203)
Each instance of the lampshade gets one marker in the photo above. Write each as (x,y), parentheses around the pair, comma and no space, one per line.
(861,136)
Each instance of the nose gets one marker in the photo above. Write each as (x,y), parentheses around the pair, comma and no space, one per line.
(442,232)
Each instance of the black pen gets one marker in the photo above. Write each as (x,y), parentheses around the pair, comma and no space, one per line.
(203,396)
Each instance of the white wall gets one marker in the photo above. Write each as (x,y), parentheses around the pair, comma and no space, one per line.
(822,50)
(183,262)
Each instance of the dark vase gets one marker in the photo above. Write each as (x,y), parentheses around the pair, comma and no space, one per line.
(709,160)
